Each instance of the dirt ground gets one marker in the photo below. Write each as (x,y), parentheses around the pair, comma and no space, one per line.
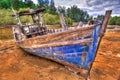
(15,64)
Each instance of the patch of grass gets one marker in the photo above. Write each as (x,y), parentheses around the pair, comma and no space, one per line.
(5,17)
(51,19)
(6,33)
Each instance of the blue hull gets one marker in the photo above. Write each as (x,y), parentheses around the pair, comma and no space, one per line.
(81,55)
(72,47)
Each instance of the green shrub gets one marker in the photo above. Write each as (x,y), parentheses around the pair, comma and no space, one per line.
(118,21)
(114,20)
(51,19)
(26,19)
(5,17)
(68,21)
(22,9)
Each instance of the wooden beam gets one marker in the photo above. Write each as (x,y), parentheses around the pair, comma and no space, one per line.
(53,44)
(62,36)
(105,22)
(63,21)
(102,31)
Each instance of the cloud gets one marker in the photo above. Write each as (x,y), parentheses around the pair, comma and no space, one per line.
(35,1)
(93,7)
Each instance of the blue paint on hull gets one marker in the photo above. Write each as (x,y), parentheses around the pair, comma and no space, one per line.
(78,54)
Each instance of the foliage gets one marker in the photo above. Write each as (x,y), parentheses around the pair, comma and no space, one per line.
(68,21)
(61,10)
(51,16)
(114,20)
(100,16)
(29,4)
(51,19)
(77,15)
(48,5)
(43,3)
(52,7)
(118,21)
(16,4)
(5,17)
(5,4)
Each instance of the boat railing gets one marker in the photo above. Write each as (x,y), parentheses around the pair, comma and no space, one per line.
(60,36)
(33,30)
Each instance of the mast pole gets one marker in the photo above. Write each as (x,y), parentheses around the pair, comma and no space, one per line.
(63,21)
(17,18)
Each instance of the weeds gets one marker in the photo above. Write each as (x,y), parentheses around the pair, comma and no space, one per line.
(6,33)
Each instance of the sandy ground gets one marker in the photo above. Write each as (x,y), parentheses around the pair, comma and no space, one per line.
(15,64)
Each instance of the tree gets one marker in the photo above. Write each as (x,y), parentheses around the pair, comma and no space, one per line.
(100,16)
(29,4)
(61,10)
(77,15)
(43,3)
(46,3)
(118,21)
(21,4)
(17,4)
(52,7)
(114,20)
(5,4)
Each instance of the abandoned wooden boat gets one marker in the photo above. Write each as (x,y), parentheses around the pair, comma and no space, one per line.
(72,47)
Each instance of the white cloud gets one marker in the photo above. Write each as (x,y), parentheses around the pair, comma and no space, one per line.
(35,1)
(81,3)
(93,7)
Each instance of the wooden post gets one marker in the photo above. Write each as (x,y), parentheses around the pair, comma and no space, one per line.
(102,31)
(105,22)
(63,21)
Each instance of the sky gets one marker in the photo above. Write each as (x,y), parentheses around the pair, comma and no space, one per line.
(93,7)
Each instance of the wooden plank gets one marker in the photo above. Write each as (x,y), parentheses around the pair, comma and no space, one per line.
(62,36)
(103,29)
(63,21)
(53,44)
(105,22)
(65,32)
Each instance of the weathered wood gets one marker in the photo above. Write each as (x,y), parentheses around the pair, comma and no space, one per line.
(76,68)
(102,31)
(105,22)
(62,36)
(67,37)
(82,71)
(28,12)
(53,44)
(63,21)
